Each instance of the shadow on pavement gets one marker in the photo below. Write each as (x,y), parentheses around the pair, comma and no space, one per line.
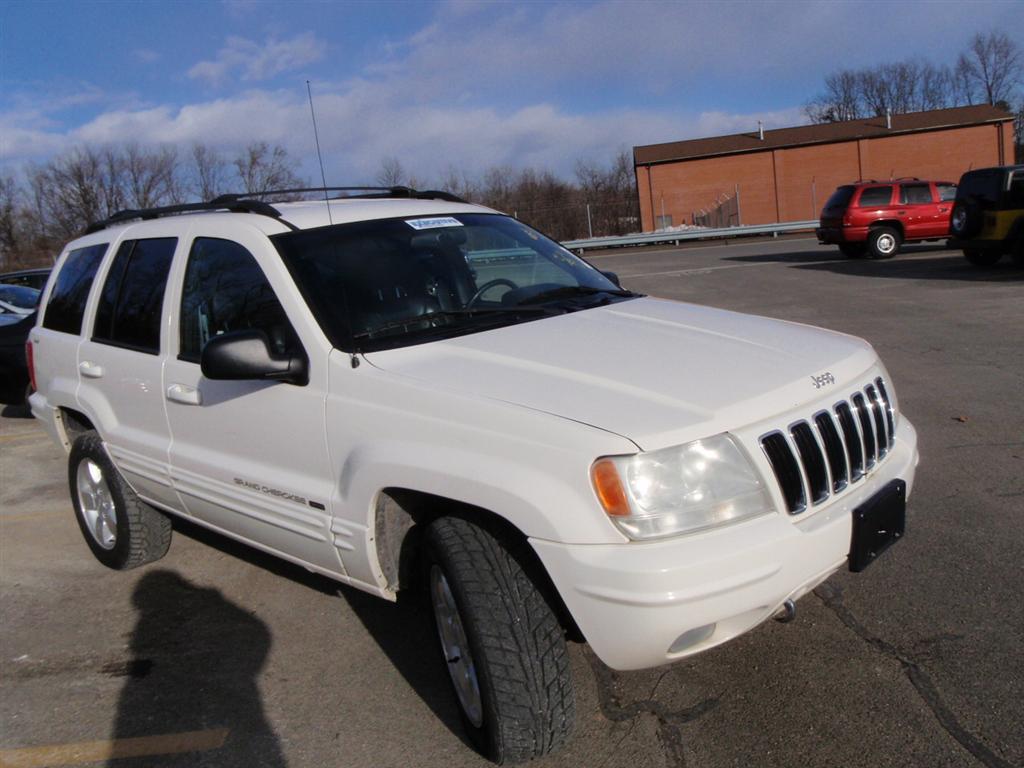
(952,267)
(913,262)
(16,411)
(403,631)
(195,658)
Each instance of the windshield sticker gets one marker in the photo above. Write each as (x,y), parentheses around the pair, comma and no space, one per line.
(444,221)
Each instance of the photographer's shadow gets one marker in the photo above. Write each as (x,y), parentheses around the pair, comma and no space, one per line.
(192,676)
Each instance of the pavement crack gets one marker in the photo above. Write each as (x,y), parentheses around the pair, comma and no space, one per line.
(832,598)
(670,735)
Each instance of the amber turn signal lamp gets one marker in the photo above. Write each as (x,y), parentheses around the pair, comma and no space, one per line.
(608,485)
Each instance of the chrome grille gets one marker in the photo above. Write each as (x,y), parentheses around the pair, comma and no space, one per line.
(824,455)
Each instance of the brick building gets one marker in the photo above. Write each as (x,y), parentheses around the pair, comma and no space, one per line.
(787,174)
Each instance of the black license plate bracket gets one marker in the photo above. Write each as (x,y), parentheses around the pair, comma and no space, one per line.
(878,523)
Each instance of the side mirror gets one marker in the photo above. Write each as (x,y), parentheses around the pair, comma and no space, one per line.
(246,355)
(613,277)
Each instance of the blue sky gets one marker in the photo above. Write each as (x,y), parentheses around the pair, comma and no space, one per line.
(449,85)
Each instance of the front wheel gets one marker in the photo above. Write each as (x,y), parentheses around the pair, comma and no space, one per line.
(982,258)
(121,530)
(883,243)
(502,645)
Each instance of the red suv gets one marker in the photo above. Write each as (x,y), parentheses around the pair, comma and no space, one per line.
(873,218)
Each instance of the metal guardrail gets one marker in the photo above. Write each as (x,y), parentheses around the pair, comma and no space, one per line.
(652,238)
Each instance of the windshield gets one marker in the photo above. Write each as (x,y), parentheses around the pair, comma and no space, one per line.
(19,296)
(394,282)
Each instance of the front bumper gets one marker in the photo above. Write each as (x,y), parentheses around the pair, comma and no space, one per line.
(634,601)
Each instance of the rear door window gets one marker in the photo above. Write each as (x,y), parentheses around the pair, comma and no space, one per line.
(915,194)
(947,192)
(66,305)
(131,305)
(874,196)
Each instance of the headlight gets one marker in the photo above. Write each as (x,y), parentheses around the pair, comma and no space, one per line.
(682,489)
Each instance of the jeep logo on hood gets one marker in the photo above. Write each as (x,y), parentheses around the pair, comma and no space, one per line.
(823,380)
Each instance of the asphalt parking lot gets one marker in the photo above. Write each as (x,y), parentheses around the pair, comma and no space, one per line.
(220,656)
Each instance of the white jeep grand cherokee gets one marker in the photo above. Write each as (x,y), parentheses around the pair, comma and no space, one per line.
(400,389)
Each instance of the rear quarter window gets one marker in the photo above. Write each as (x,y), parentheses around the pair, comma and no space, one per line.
(66,305)
(875,196)
(840,198)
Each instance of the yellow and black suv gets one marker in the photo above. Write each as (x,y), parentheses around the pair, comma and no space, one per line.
(988,216)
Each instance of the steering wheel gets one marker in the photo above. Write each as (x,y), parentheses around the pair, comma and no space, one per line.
(487,286)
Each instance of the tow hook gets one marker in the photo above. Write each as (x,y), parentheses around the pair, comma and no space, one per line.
(786,613)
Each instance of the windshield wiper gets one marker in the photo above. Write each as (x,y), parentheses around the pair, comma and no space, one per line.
(569,291)
(418,321)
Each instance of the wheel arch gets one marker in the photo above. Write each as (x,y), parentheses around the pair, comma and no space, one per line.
(71,424)
(400,517)
(892,223)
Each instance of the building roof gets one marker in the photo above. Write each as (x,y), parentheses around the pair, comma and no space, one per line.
(823,133)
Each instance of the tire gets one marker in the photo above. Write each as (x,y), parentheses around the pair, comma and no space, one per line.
(982,258)
(122,531)
(852,250)
(514,688)
(964,221)
(883,242)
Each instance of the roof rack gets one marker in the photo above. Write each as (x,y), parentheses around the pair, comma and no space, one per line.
(219,204)
(362,193)
(248,203)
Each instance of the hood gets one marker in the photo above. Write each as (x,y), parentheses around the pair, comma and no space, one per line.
(654,371)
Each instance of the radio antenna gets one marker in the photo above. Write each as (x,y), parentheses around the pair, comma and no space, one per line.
(320,157)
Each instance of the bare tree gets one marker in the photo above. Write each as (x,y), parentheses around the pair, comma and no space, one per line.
(149,177)
(991,67)
(9,236)
(840,101)
(391,173)
(208,172)
(262,168)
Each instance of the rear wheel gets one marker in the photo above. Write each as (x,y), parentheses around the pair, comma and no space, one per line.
(503,647)
(982,258)
(121,530)
(852,250)
(883,243)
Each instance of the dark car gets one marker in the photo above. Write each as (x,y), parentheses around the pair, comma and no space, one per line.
(15,323)
(33,278)
(988,218)
(874,218)
(14,379)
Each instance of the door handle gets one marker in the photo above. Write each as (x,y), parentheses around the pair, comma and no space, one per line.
(943,210)
(901,213)
(90,370)
(180,393)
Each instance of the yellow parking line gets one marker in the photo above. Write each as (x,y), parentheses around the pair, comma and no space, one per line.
(96,751)
(19,436)
(30,516)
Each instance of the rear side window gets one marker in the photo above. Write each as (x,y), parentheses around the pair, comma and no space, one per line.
(875,196)
(66,306)
(915,194)
(947,192)
(131,305)
(840,198)
(225,290)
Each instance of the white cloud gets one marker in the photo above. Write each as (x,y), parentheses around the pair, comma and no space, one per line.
(146,55)
(252,61)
